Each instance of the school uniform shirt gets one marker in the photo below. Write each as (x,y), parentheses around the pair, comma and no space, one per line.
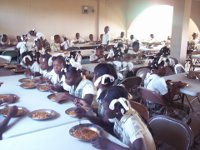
(55,47)
(54,77)
(22,47)
(105,39)
(35,67)
(83,88)
(44,73)
(156,83)
(65,86)
(65,45)
(131,127)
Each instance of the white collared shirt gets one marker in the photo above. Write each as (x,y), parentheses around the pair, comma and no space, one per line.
(131,127)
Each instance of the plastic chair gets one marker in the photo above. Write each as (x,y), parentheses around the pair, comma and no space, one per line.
(172,132)
(178,68)
(131,84)
(142,72)
(142,110)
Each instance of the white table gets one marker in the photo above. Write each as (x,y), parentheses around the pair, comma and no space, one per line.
(32,99)
(57,138)
(193,88)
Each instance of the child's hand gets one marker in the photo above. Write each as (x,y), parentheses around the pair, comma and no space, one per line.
(81,103)
(60,97)
(1,83)
(101,143)
(12,111)
(80,112)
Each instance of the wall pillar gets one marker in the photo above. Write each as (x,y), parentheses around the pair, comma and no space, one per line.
(180,27)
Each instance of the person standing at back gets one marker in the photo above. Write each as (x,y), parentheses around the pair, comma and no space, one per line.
(106,36)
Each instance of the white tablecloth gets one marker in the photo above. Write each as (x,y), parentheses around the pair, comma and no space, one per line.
(193,88)
(32,99)
(57,138)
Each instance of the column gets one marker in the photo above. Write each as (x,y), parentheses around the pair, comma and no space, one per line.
(180,27)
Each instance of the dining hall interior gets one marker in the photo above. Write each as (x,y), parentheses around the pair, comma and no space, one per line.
(99,74)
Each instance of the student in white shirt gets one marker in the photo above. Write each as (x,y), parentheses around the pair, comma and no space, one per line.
(65,44)
(36,35)
(98,55)
(77,39)
(128,125)
(45,65)
(32,66)
(81,89)
(21,46)
(106,36)
(56,45)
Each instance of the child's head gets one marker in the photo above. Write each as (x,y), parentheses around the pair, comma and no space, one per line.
(57,38)
(122,34)
(136,46)
(106,29)
(91,37)
(72,75)
(165,51)
(158,68)
(27,58)
(99,51)
(77,35)
(115,102)
(44,61)
(58,64)
(104,75)
(131,37)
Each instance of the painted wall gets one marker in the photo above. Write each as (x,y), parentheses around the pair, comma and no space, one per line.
(65,16)
(61,17)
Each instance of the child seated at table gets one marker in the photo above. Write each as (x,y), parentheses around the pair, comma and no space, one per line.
(80,88)
(45,62)
(65,44)
(5,42)
(31,65)
(98,55)
(56,76)
(105,76)
(128,125)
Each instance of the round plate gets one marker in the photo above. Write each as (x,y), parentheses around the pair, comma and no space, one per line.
(3,64)
(25,80)
(86,132)
(20,112)
(71,111)
(10,66)
(43,114)
(6,96)
(52,97)
(17,70)
(28,85)
(43,88)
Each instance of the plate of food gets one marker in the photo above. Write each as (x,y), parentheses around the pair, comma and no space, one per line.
(28,85)
(43,87)
(52,97)
(43,114)
(21,111)
(3,64)
(25,80)
(10,66)
(18,70)
(9,98)
(71,111)
(86,132)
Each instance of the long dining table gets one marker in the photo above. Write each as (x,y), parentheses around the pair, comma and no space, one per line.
(193,85)
(32,99)
(51,139)
(25,133)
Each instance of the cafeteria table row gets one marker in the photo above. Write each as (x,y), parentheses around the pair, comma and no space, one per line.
(32,99)
(192,89)
(51,139)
